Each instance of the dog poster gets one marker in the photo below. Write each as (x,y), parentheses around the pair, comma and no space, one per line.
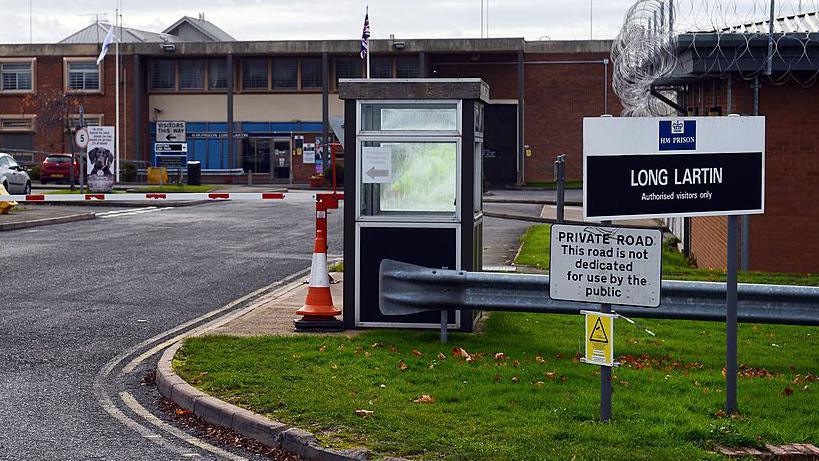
(100,158)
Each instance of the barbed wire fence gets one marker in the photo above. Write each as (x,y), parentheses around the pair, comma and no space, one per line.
(725,34)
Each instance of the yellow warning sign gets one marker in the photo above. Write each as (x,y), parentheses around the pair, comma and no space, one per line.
(599,338)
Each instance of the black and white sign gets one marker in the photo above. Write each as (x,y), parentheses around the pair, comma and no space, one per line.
(100,158)
(170,147)
(167,131)
(81,138)
(654,167)
(172,162)
(614,265)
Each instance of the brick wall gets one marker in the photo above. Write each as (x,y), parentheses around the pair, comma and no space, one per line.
(784,238)
(557,97)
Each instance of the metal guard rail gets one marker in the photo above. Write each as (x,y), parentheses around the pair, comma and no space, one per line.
(408,289)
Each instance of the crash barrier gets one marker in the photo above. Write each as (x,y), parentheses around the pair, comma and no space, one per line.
(408,289)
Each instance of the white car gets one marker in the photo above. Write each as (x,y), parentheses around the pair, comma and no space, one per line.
(13,177)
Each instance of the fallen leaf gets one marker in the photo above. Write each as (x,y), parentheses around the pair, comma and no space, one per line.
(383,386)
(516,364)
(393,348)
(441,356)
(724,372)
(550,374)
(377,345)
(539,383)
(322,348)
(364,413)
(459,352)
(367,354)
(334,366)
(787,392)
(417,353)
(515,379)
(432,365)
(559,355)
(180,412)
(564,378)
(402,366)
(719,414)
(496,378)
(539,359)
(425,399)
(500,356)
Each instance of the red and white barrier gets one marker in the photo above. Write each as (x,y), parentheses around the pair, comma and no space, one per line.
(157,196)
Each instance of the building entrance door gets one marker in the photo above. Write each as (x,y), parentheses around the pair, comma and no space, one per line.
(500,144)
(256,155)
(281,159)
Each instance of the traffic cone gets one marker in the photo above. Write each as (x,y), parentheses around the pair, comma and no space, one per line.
(318,312)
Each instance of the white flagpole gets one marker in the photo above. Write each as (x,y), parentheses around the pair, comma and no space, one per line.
(116,99)
(368,63)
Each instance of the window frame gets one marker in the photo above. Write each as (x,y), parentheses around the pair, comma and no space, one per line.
(334,75)
(32,128)
(32,64)
(308,89)
(74,119)
(242,64)
(209,63)
(205,63)
(67,76)
(153,64)
(292,89)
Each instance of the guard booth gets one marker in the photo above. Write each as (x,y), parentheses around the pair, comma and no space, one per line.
(413,189)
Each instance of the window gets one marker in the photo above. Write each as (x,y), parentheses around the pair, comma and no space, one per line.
(191,74)
(311,73)
(217,74)
(16,76)
(17,132)
(254,74)
(348,68)
(380,67)
(284,74)
(409,117)
(407,67)
(90,120)
(83,76)
(163,75)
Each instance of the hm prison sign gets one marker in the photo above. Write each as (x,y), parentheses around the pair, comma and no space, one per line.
(654,167)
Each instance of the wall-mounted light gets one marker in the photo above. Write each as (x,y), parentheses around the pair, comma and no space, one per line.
(168,47)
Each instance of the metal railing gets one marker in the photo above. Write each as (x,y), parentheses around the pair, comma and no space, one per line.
(407,289)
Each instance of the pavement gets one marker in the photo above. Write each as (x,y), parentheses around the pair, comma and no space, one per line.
(25,216)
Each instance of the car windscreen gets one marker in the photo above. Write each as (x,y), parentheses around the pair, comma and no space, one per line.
(57,159)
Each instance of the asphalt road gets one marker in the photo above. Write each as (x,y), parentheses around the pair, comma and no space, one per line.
(74,296)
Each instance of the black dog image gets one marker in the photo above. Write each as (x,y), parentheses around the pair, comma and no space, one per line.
(102,160)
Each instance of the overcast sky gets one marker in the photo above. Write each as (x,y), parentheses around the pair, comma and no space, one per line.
(53,20)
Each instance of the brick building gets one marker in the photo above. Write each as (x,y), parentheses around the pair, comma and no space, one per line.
(783,239)
(251,106)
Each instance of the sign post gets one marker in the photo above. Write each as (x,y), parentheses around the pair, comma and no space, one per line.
(689,166)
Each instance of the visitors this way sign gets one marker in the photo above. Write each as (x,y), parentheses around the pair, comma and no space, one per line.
(653,167)
(614,265)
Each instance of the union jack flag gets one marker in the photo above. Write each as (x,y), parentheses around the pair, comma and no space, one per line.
(365,35)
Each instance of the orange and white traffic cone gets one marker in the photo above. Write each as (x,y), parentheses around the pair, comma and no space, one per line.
(318,312)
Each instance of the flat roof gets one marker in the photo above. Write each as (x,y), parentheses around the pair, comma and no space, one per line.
(339,47)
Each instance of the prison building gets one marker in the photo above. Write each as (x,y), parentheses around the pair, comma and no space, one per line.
(256,107)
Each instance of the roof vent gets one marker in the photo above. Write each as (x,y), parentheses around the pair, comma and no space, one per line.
(202,16)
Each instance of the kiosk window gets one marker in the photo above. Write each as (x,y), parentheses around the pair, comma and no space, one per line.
(409,117)
(409,177)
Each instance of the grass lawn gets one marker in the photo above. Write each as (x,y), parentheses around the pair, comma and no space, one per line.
(77,191)
(176,188)
(535,253)
(536,402)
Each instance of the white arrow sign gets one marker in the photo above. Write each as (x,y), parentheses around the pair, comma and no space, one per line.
(376,165)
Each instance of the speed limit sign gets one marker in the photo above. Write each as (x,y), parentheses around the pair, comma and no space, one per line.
(81,138)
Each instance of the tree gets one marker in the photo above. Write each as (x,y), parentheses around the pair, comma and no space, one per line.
(54,110)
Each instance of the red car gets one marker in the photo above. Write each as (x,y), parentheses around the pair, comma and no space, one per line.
(56,169)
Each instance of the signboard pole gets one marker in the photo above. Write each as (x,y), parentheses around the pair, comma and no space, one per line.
(731,318)
(560,179)
(82,157)
(605,372)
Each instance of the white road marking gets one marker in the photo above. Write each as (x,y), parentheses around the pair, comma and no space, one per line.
(131,212)
(131,402)
(99,381)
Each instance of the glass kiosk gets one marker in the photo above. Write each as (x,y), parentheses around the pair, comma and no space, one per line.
(413,147)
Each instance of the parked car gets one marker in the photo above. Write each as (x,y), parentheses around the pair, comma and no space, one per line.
(56,168)
(13,177)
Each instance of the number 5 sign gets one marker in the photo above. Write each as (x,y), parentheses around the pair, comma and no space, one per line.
(81,138)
